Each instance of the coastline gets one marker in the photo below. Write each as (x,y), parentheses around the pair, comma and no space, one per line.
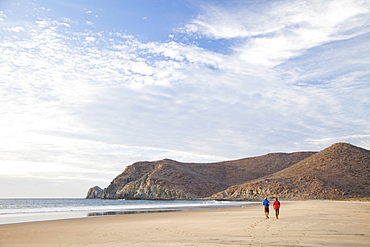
(301,223)
(61,213)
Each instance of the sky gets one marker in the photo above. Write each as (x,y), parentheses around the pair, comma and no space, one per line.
(88,87)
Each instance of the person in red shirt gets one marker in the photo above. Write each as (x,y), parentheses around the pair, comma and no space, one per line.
(277,207)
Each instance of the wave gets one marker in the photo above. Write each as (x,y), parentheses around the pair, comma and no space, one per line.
(74,205)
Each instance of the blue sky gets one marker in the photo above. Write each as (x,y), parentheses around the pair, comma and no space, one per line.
(89,87)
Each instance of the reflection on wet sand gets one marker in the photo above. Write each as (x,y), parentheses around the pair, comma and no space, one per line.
(131,212)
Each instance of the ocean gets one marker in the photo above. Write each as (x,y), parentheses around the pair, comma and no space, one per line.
(28,210)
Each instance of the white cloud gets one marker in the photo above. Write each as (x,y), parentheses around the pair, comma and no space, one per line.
(90,39)
(90,23)
(2,16)
(42,169)
(281,30)
(14,29)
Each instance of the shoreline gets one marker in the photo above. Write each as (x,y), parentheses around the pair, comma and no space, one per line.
(301,223)
(62,215)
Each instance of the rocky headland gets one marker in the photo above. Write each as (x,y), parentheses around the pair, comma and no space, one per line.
(339,171)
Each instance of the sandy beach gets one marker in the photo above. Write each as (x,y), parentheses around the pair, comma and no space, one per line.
(301,223)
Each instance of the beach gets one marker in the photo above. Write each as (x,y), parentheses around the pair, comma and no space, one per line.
(301,223)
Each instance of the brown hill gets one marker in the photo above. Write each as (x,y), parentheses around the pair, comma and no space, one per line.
(340,171)
(169,179)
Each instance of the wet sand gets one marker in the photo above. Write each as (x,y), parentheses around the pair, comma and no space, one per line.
(301,223)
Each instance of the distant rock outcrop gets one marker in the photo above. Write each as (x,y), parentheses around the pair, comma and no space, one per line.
(95,192)
(340,171)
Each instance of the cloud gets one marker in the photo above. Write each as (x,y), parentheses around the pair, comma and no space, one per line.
(2,16)
(275,32)
(44,112)
(14,29)
(90,39)
(90,23)
(45,170)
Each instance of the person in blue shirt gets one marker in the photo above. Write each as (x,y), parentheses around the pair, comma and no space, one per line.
(266,205)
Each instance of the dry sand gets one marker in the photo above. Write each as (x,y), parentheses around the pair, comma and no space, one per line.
(303,223)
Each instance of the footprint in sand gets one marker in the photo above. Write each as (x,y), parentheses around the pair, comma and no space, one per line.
(255,223)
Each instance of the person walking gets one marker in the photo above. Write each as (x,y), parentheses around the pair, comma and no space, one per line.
(276,207)
(266,205)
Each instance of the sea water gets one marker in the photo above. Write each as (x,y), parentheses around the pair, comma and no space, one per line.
(26,210)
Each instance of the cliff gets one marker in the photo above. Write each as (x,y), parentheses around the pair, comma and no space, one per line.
(169,179)
(339,171)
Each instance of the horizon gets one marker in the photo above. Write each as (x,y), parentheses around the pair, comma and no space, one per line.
(89,87)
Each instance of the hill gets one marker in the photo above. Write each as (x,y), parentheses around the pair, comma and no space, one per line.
(339,171)
(169,179)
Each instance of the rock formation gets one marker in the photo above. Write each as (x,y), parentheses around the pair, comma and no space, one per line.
(340,171)
(95,192)
(169,179)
